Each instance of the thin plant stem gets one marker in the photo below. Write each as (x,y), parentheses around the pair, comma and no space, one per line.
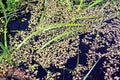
(5,33)
(27,38)
(43,13)
(3,9)
(95,3)
(78,58)
(69,4)
(85,17)
(80,5)
(116,7)
(86,76)
(5,52)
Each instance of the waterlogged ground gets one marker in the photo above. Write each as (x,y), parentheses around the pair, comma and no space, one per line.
(48,55)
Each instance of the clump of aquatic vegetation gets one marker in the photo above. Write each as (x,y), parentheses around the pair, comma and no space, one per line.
(54,36)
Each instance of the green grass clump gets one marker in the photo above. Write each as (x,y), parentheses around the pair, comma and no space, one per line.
(5,52)
(11,4)
(4,46)
(6,23)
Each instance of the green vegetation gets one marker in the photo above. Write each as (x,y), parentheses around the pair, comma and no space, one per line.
(5,46)
(43,13)
(82,5)
(5,9)
(94,3)
(49,27)
(5,54)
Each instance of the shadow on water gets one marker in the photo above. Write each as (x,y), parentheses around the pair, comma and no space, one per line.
(71,63)
(41,71)
(84,48)
(65,75)
(18,24)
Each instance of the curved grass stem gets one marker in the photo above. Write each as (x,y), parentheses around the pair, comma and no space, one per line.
(27,38)
(55,39)
(50,27)
(85,17)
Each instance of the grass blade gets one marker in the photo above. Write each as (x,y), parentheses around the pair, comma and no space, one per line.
(95,3)
(2,47)
(43,13)
(5,52)
(54,26)
(5,33)
(85,77)
(116,7)
(55,39)
(3,9)
(85,17)
(80,5)
(49,27)
(27,38)
(69,4)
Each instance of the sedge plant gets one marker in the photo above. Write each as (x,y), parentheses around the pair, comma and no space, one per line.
(4,47)
(5,54)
